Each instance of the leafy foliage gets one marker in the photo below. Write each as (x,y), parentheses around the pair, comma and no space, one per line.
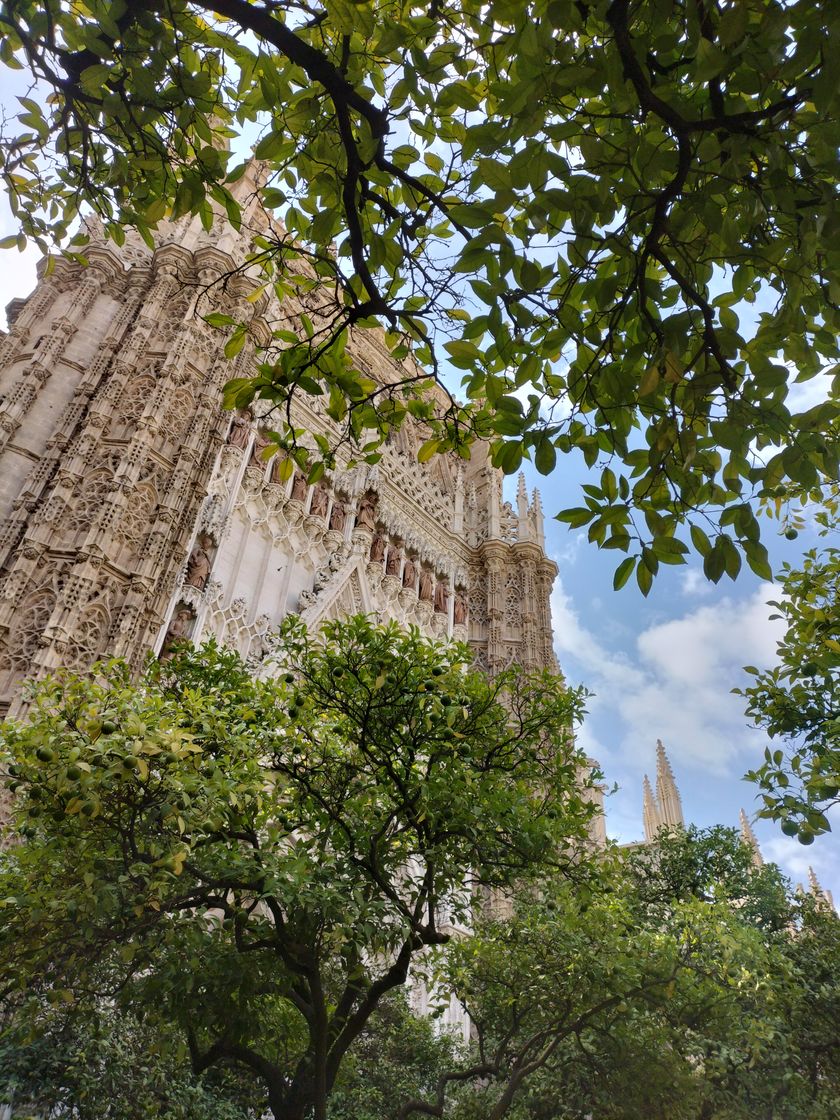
(676,987)
(254,864)
(618,220)
(798,700)
(712,865)
(399,1055)
(104,1066)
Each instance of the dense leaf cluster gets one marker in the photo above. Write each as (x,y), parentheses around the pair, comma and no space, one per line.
(683,985)
(92,1063)
(618,219)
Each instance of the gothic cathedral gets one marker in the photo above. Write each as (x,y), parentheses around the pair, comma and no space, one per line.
(135,510)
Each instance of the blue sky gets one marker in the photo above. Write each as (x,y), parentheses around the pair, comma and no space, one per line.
(663,668)
(658,668)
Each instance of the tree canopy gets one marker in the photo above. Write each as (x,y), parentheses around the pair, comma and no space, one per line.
(251,866)
(84,1062)
(684,984)
(617,218)
(797,702)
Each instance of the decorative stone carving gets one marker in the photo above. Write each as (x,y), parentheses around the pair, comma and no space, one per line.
(298,493)
(409,572)
(180,629)
(27,626)
(459,608)
(441,597)
(87,641)
(392,566)
(128,497)
(366,513)
(261,442)
(427,586)
(377,549)
(199,563)
(320,501)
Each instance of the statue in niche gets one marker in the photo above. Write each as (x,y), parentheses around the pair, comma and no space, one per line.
(320,501)
(459,608)
(366,515)
(392,567)
(299,488)
(441,597)
(260,444)
(337,517)
(377,549)
(198,565)
(240,431)
(427,586)
(179,630)
(409,572)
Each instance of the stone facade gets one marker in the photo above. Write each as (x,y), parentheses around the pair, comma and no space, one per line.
(134,510)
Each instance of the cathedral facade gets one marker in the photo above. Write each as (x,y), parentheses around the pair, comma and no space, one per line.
(135,511)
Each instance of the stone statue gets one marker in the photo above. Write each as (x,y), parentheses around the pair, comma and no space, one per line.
(441,597)
(260,443)
(240,431)
(366,515)
(337,517)
(426,586)
(179,629)
(299,488)
(409,572)
(459,609)
(377,549)
(392,566)
(198,565)
(326,573)
(320,500)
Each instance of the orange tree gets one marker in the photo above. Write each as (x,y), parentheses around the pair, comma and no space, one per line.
(253,865)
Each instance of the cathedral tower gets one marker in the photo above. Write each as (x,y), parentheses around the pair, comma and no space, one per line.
(664,808)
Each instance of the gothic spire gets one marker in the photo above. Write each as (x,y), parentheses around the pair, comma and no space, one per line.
(524,533)
(667,794)
(650,812)
(749,838)
(817,890)
(537,510)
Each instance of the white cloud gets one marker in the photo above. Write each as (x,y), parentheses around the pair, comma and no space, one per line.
(694,583)
(675,685)
(806,394)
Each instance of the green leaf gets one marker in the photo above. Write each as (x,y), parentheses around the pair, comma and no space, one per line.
(714,563)
(235,343)
(427,450)
(545,457)
(644,578)
(700,541)
(757,559)
(623,572)
(576,518)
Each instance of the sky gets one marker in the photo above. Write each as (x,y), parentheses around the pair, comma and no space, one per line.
(663,668)
(656,668)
